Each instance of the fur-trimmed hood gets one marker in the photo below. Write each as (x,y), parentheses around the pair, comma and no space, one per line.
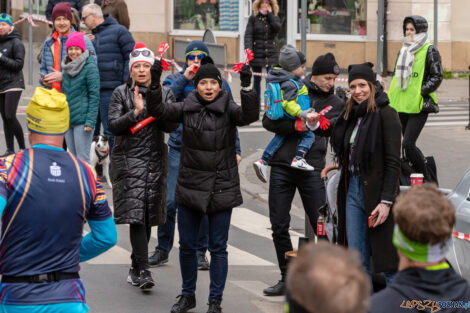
(273,3)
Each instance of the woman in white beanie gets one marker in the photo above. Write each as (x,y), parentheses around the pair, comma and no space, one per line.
(138,163)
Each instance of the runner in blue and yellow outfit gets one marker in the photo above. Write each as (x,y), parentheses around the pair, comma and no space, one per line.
(46,196)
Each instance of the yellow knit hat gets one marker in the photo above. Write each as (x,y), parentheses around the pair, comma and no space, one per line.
(48,112)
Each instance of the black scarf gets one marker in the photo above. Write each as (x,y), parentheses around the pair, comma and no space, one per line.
(366,138)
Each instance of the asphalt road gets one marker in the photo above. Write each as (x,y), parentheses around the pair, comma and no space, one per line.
(251,253)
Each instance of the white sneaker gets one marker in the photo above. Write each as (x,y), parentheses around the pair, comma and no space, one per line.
(261,170)
(301,164)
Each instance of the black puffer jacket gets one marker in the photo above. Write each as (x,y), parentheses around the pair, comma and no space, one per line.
(287,127)
(139,162)
(433,72)
(208,175)
(11,61)
(260,36)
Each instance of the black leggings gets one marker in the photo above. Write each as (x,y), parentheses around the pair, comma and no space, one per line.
(140,236)
(411,126)
(11,126)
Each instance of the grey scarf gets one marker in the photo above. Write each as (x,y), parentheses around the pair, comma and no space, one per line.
(75,67)
(406,60)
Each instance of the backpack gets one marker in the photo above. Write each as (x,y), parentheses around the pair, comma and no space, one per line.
(273,100)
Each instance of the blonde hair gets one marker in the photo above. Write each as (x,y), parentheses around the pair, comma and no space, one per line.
(424,214)
(273,3)
(328,278)
(371,107)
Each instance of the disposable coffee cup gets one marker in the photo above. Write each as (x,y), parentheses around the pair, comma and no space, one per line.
(416,179)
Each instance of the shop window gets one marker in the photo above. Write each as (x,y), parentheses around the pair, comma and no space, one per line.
(206,14)
(342,17)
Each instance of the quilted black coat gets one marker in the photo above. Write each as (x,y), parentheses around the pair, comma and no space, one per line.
(260,34)
(11,61)
(139,162)
(208,178)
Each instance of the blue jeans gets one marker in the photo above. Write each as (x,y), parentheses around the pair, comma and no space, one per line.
(105,99)
(356,226)
(79,141)
(308,138)
(166,232)
(189,224)
(257,79)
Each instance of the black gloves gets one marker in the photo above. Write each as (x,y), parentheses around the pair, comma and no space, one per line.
(245,76)
(156,73)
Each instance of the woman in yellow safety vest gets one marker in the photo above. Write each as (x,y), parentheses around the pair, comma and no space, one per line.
(418,73)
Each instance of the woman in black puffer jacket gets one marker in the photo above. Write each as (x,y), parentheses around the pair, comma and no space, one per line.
(418,74)
(11,81)
(139,164)
(260,33)
(208,181)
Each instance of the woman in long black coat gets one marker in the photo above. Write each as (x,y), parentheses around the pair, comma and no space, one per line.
(366,141)
(139,164)
(260,33)
(11,82)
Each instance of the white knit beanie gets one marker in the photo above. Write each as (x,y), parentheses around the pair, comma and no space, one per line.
(140,46)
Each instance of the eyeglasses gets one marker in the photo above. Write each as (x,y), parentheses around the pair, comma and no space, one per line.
(192,57)
(85,17)
(145,53)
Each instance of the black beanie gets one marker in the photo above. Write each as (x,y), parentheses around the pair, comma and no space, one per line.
(361,71)
(325,64)
(208,71)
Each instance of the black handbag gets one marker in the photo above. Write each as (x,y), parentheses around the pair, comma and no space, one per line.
(429,106)
(407,169)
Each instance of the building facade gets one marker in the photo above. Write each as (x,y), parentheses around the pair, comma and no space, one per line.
(347,28)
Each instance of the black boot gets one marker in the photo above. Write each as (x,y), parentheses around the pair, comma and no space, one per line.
(276,290)
(158,258)
(184,304)
(214,307)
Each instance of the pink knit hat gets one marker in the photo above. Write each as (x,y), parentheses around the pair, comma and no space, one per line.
(76,39)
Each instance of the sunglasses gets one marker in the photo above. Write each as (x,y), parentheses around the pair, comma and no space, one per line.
(145,53)
(192,57)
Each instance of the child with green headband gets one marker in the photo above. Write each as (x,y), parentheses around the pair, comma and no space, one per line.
(425,282)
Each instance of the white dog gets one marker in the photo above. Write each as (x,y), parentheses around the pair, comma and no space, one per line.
(99,154)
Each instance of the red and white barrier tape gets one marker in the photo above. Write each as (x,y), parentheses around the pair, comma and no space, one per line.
(462,236)
(229,75)
(31,18)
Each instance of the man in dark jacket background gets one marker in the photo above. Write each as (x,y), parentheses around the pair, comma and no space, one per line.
(284,180)
(181,84)
(77,4)
(425,282)
(113,44)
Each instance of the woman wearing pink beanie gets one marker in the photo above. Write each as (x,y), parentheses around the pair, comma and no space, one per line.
(79,84)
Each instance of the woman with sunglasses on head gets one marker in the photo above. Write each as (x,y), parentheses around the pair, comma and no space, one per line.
(418,74)
(139,162)
(260,33)
(366,140)
(54,51)
(11,82)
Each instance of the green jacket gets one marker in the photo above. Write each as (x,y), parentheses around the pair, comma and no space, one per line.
(83,94)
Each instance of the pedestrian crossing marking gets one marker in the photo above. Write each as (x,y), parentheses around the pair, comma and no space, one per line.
(243,218)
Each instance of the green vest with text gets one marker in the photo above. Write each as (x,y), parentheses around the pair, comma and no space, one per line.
(410,99)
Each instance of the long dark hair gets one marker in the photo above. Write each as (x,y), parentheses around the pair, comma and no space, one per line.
(371,106)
